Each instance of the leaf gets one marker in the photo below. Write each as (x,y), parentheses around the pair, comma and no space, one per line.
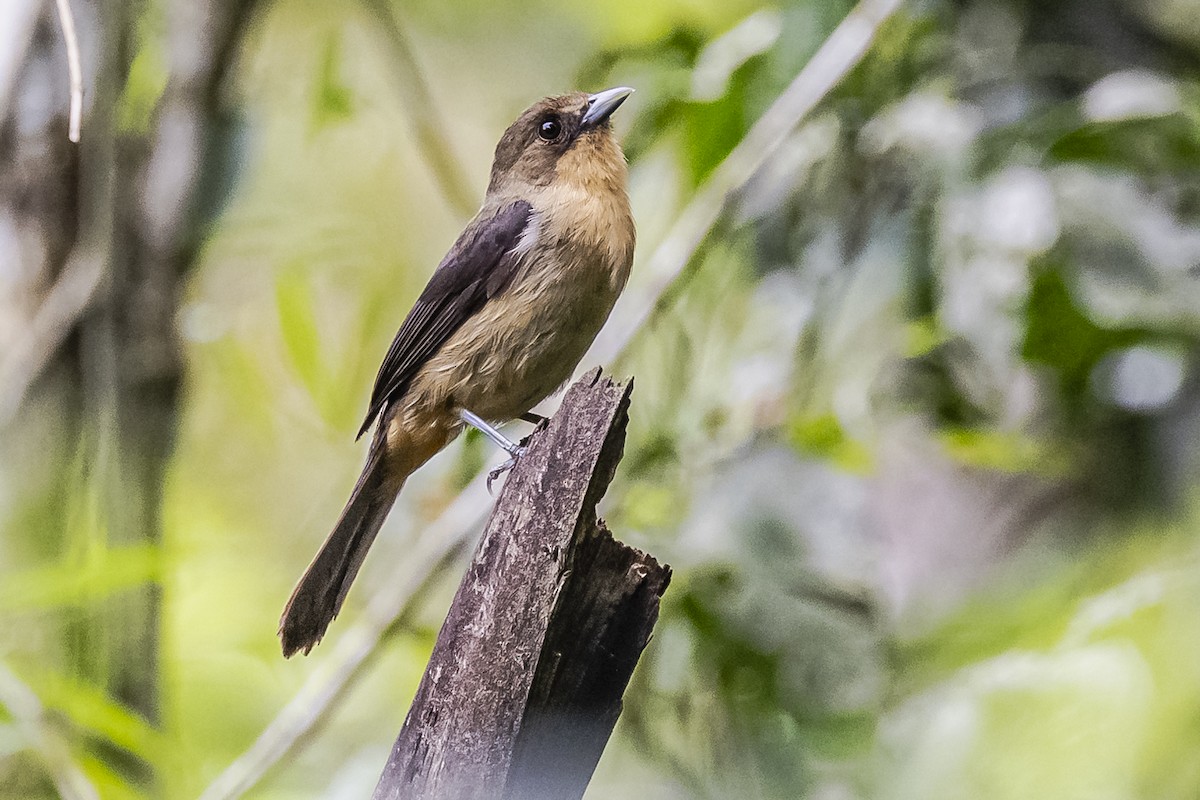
(713,129)
(823,436)
(1147,146)
(298,324)
(1005,451)
(1061,336)
(92,710)
(147,77)
(922,336)
(108,781)
(106,572)
(333,100)
(839,736)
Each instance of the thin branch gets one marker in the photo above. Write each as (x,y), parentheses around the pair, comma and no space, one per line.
(71,294)
(436,549)
(840,53)
(67,20)
(30,716)
(421,108)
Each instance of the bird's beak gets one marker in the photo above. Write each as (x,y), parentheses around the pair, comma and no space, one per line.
(602,104)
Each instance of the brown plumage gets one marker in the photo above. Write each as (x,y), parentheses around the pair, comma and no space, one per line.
(503,322)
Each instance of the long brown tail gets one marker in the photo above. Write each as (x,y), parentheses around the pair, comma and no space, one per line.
(318,596)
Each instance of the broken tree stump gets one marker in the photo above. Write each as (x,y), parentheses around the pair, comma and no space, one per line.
(525,681)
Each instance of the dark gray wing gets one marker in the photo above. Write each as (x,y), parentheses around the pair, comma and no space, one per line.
(478,267)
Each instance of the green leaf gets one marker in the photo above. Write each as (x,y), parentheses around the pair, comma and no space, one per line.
(840,736)
(1148,146)
(298,324)
(105,572)
(922,336)
(147,78)
(108,781)
(714,129)
(1006,451)
(823,436)
(1061,336)
(333,100)
(92,710)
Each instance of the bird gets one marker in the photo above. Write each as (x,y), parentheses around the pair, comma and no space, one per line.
(502,323)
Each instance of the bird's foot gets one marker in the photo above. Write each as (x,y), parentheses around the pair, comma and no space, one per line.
(515,451)
(514,457)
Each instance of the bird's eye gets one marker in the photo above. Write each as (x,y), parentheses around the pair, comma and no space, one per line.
(550,129)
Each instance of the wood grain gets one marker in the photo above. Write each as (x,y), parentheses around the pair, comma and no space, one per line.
(525,681)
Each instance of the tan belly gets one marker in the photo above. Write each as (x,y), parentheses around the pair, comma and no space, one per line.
(520,347)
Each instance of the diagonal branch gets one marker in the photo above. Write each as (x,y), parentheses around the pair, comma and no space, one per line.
(838,54)
(54,320)
(434,552)
(421,109)
(30,717)
(437,544)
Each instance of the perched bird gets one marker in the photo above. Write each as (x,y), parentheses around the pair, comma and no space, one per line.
(502,324)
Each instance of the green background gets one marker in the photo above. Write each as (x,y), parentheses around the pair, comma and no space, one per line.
(916,425)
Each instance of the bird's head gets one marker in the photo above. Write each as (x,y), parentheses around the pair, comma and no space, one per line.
(561,139)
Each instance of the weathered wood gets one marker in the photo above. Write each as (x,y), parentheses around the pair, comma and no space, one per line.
(525,682)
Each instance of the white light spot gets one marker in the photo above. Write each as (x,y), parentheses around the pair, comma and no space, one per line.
(1131,94)
(1018,212)
(922,122)
(1141,378)
(201,323)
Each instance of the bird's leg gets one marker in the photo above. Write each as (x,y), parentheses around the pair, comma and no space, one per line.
(514,451)
(481,425)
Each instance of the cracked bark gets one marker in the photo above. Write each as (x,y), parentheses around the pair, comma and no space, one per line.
(525,681)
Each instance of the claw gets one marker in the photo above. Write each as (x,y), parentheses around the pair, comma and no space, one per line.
(505,467)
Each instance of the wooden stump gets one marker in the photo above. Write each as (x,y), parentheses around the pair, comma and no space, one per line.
(525,682)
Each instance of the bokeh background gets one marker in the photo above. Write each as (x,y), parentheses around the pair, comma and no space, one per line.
(915,418)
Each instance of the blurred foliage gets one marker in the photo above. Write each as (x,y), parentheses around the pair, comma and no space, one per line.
(918,430)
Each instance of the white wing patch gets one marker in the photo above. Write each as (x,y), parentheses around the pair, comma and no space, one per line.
(529,236)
